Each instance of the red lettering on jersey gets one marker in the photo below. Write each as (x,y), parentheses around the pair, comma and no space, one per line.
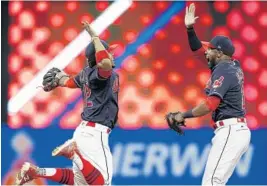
(218,82)
(115,86)
(89,104)
(87,91)
(87,94)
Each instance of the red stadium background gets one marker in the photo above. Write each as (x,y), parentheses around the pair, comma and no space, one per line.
(161,76)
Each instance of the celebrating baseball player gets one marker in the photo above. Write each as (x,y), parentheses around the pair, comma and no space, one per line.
(225,99)
(88,149)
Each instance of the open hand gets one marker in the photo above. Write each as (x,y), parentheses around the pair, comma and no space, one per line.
(190,19)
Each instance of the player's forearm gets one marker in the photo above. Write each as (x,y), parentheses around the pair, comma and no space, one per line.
(62,81)
(200,110)
(103,58)
(98,45)
(193,40)
(95,39)
(67,82)
(205,107)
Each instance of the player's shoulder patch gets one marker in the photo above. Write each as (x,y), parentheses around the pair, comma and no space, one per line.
(218,82)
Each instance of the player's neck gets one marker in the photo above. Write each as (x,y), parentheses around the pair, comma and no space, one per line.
(224,58)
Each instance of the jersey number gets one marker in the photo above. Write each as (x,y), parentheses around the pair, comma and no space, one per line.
(87,94)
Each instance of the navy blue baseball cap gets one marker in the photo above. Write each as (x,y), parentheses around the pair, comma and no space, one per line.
(221,43)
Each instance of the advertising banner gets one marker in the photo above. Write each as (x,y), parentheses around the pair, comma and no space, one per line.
(142,156)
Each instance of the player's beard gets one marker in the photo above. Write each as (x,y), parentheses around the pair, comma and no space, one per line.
(211,61)
(211,64)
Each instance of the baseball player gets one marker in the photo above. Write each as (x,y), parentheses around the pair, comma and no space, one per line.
(88,149)
(225,99)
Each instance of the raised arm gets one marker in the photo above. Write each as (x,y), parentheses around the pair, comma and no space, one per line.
(194,43)
(104,59)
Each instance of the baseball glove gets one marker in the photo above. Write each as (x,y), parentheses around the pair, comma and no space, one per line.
(174,125)
(50,81)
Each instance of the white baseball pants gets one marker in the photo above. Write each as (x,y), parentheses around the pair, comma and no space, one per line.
(92,143)
(230,142)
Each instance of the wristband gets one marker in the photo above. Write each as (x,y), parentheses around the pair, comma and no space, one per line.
(188,114)
(100,55)
(190,28)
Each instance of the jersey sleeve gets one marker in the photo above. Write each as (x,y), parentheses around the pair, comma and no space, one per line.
(77,79)
(220,83)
